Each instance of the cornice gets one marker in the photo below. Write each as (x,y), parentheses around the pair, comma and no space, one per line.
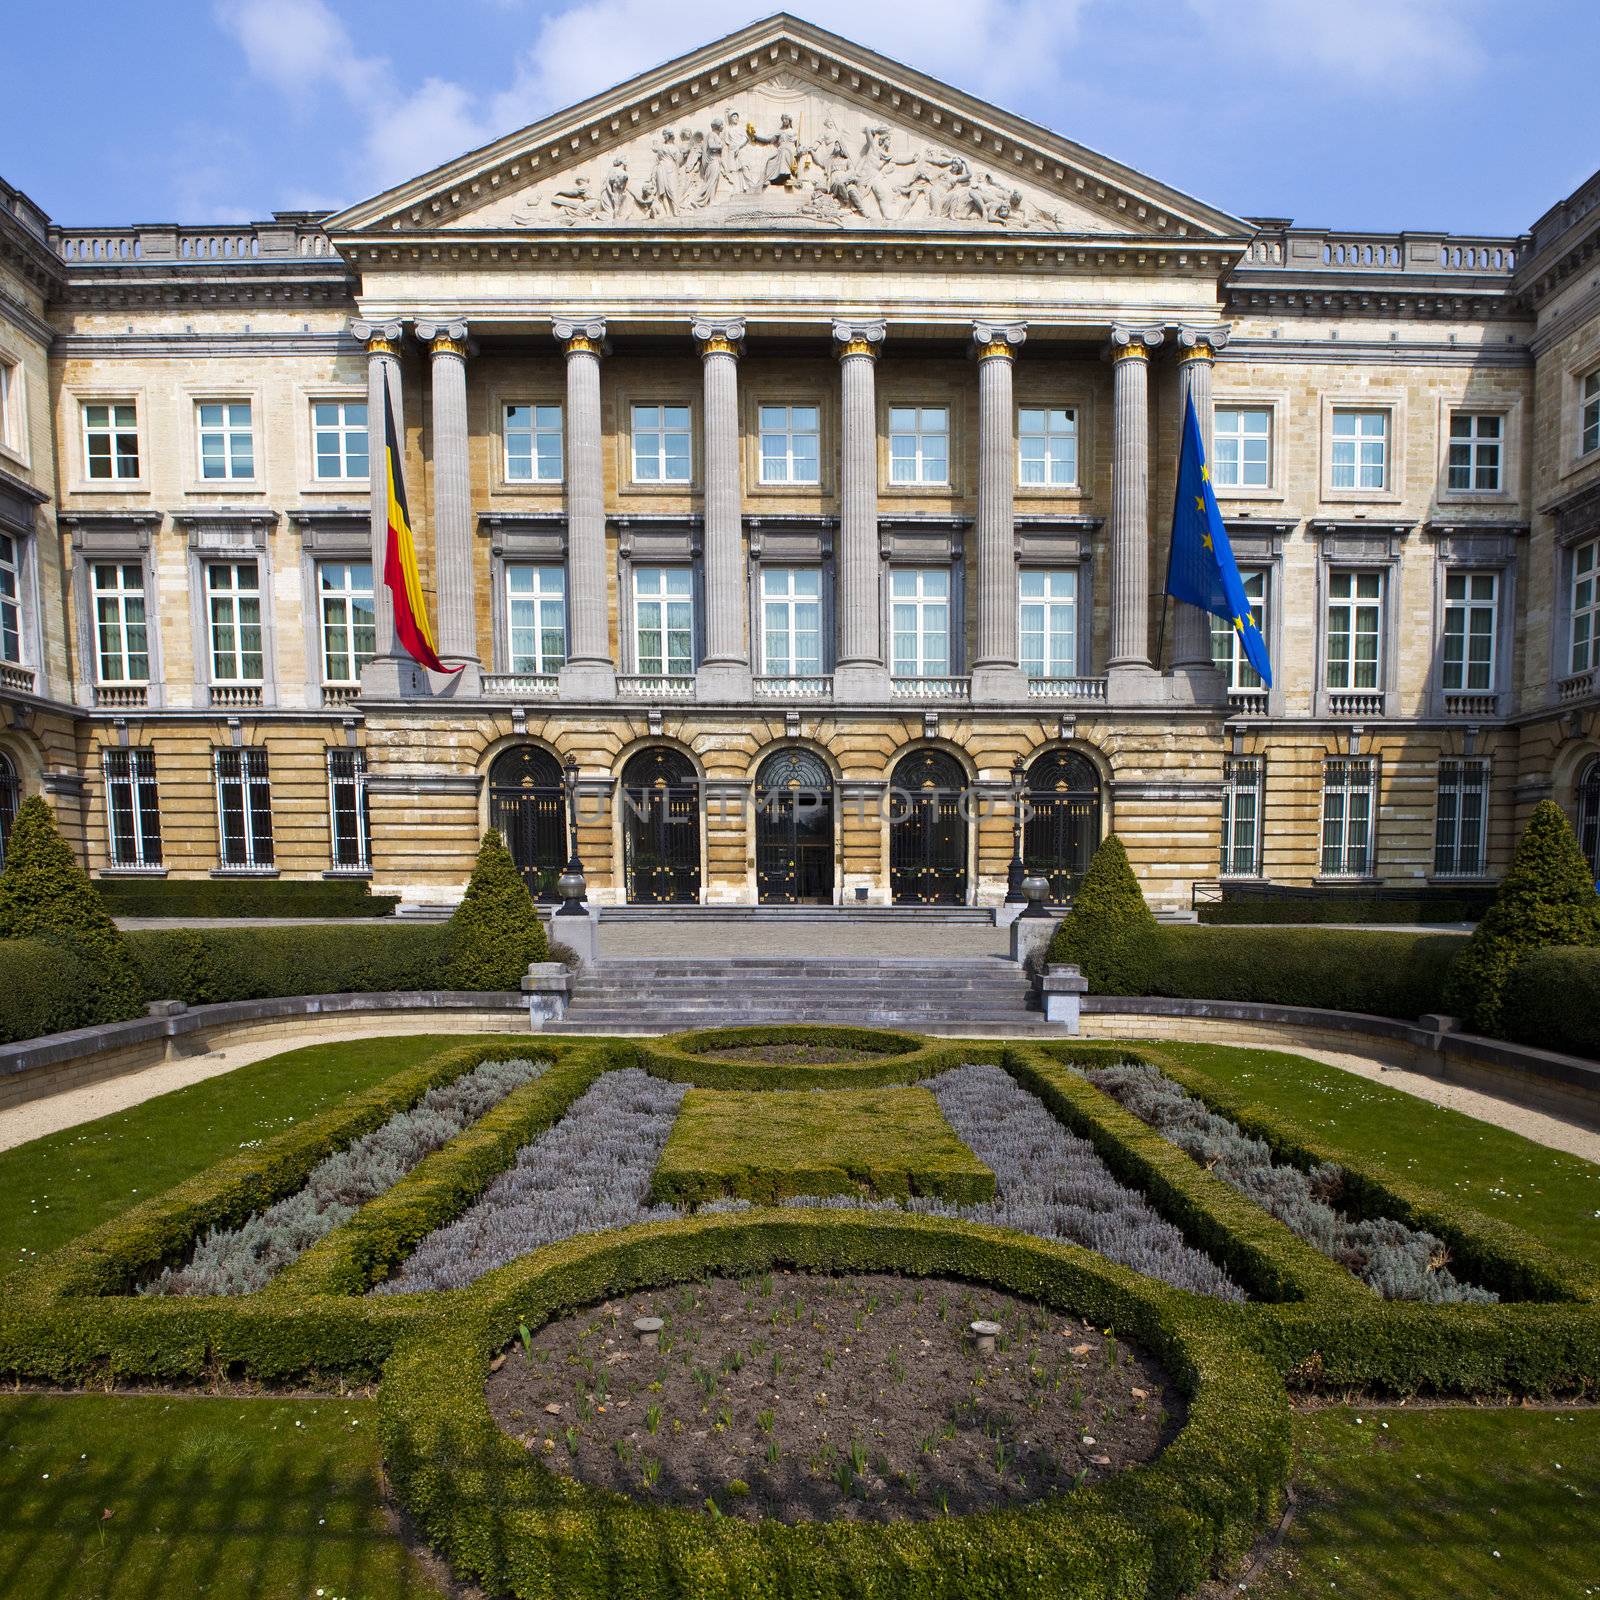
(112,285)
(30,255)
(15,312)
(1446,299)
(1374,352)
(198,346)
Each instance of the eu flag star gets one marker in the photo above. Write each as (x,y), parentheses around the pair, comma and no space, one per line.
(1206,542)
(1238,623)
(1200,504)
(1205,473)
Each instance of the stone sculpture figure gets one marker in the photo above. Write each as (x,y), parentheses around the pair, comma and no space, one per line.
(783,165)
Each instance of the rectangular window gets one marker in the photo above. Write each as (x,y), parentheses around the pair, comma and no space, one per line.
(1227,644)
(1360,449)
(1462,819)
(10,599)
(347,810)
(533,444)
(1585,606)
(791,622)
(1047,447)
(1471,624)
(661,451)
(110,440)
(791,444)
(349,621)
(1355,626)
(920,618)
(122,650)
(663,599)
(10,405)
(1348,792)
(1589,415)
(233,606)
(919,444)
(1241,447)
(244,808)
(339,438)
(227,439)
(1048,621)
(133,814)
(1243,779)
(1476,443)
(536,604)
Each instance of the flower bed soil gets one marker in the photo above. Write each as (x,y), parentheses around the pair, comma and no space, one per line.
(792,1055)
(800,1397)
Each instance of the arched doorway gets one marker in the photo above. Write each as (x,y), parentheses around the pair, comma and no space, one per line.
(661,828)
(927,830)
(1062,793)
(794,829)
(1589,813)
(10,799)
(529,808)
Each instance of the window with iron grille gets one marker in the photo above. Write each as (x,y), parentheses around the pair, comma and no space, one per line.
(1589,816)
(1349,790)
(244,808)
(1243,782)
(133,809)
(347,810)
(1461,819)
(10,799)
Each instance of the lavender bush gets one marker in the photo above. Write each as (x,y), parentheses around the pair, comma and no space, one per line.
(1400,1262)
(590,1171)
(239,1260)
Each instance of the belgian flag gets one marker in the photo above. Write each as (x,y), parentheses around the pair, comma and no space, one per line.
(400,559)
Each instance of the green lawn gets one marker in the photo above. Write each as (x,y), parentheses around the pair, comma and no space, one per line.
(1454,1502)
(1554,1197)
(265,1499)
(766,1144)
(64,1184)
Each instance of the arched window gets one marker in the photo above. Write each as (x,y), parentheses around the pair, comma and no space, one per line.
(528,806)
(928,830)
(1589,814)
(10,799)
(794,829)
(1062,831)
(661,827)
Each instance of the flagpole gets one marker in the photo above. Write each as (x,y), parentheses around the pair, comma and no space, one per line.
(1161,627)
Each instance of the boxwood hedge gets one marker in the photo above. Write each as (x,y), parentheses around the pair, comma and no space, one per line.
(1552,1001)
(242,897)
(47,990)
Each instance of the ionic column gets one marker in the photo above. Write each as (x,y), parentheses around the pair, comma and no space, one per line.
(725,672)
(590,672)
(996,676)
(387,673)
(1191,635)
(1130,504)
(860,674)
(452,500)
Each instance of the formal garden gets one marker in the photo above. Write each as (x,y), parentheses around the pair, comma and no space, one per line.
(777,1311)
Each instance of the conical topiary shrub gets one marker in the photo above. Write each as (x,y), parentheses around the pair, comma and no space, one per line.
(1107,931)
(45,894)
(1547,898)
(496,929)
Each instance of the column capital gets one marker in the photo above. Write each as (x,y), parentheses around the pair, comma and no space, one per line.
(380,338)
(1202,343)
(859,338)
(580,335)
(718,336)
(1133,342)
(998,339)
(443,336)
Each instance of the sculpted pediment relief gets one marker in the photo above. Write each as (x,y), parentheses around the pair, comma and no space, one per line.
(786,153)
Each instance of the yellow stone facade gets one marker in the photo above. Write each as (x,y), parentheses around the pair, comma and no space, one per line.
(1294,323)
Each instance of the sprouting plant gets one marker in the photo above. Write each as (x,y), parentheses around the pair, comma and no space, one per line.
(912,1481)
(526,1337)
(777,1365)
(827,1360)
(649,1470)
(733,1361)
(858,1457)
(944,1504)
(1002,1457)
(773,1452)
(872,1304)
(724,1417)
(764,1285)
(897,1369)
(570,1438)
(713,1510)
(765,1420)
(859,1321)
(927,1444)
(624,1451)
(602,1385)
(707,1380)
(1079,1476)
(652,1418)
(844,1477)
(944,1308)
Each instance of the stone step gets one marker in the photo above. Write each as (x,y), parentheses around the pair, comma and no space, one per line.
(1022,1026)
(928,916)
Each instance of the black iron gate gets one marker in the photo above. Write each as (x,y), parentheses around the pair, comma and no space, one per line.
(928,831)
(1063,826)
(529,808)
(794,830)
(661,828)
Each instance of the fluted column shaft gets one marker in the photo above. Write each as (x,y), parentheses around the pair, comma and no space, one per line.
(860,631)
(725,670)
(590,670)
(996,346)
(386,673)
(452,489)
(1130,497)
(1191,638)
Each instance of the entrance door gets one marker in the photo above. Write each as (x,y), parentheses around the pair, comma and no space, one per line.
(661,828)
(794,830)
(529,808)
(927,831)
(1063,829)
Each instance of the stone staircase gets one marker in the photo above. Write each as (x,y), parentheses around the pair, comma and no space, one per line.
(661,994)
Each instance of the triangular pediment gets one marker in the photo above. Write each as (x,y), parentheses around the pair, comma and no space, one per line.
(784,126)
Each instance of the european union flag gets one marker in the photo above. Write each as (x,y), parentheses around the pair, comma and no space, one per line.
(1200,564)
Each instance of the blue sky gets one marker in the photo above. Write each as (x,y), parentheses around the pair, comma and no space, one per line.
(1458,114)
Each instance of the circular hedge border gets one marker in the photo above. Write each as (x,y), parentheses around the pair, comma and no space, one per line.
(898,1057)
(506,1522)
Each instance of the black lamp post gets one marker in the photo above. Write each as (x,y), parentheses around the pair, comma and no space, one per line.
(1015,873)
(571,885)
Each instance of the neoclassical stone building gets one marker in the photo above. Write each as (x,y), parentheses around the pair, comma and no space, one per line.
(790,440)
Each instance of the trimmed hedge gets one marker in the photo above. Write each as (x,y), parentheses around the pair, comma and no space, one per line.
(495,931)
(47,989)
(1106,933)
(1279,903)
(1552,1001)
(905,1058)
(242,897)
